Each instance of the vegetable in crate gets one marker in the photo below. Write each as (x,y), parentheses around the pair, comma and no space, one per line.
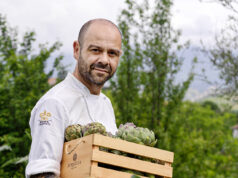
(77,131)
(135,134)
(73,132)
(94,127)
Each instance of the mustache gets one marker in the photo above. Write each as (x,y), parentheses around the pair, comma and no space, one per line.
(101,66)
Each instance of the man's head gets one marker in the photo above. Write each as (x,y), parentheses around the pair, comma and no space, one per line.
(97,52)
(85,27)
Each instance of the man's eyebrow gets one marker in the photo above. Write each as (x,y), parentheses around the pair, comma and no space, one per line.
(93,46)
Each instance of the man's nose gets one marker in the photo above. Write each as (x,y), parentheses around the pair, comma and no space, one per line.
(104,58)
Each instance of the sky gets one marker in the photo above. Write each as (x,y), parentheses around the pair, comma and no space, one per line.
(61,20)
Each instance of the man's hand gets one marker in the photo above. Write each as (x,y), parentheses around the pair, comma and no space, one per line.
(44,175)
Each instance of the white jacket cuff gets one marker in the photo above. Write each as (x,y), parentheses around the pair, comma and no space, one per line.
(41,166)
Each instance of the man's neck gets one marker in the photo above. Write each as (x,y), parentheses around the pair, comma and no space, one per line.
(94,89)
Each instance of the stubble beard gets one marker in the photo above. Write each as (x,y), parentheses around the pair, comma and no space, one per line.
(85,72)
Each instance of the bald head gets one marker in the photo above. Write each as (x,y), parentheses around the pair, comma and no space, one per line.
(87,25)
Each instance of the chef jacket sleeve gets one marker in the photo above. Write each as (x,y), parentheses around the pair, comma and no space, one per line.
(48,122)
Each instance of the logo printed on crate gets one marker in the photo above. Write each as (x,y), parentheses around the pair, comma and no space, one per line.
(45,118)
(75,163)
(75,156)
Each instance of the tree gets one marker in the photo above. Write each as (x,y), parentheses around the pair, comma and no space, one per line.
(127,84)
(229,4)
(145,89)
(223,54)
(202,141)
(224,57)
(23,80)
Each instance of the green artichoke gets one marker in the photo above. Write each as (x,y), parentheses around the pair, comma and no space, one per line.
(73,132)
(124,129)
(135,134)
(94,127)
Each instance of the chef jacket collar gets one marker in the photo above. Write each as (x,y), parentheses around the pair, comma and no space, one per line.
(79,85)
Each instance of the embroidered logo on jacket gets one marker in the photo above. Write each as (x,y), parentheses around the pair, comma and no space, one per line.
(45,118)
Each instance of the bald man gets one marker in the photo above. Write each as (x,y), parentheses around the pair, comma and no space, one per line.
(77,99)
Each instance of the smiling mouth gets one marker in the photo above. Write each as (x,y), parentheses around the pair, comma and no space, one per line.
(101,70)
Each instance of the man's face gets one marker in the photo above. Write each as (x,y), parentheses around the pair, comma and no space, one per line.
(100,53)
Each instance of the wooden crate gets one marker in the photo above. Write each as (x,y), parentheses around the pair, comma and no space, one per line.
(82,158)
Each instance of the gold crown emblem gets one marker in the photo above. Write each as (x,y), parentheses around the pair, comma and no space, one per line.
(45,115)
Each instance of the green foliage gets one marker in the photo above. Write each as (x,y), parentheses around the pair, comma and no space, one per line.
(23,80)
(202,141)
(211,105)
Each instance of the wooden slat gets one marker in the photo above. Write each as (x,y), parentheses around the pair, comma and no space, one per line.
(108,173)
(131,163)
(168,164)
(133,148)
(94,164)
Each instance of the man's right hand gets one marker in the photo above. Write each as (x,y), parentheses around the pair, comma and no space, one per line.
(44,175)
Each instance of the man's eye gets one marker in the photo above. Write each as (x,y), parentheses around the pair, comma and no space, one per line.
(95,50)
(112,53)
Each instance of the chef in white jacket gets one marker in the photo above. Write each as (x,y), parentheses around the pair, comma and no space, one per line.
(77,99)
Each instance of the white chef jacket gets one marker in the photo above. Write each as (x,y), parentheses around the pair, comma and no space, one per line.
(68,103)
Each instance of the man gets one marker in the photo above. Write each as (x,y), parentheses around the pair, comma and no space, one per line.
(77,99)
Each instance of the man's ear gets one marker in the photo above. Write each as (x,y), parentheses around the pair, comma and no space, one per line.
(76,47)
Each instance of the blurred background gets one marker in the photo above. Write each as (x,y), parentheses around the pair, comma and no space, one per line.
(178,75)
